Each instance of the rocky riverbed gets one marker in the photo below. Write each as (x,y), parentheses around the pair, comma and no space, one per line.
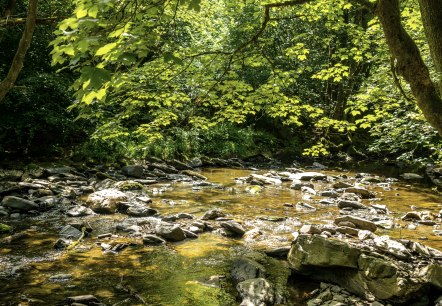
(199,233)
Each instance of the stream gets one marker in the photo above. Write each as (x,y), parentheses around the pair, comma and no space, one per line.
(192,271)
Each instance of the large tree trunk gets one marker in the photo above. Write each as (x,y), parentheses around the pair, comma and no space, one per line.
(431,12)
(20,54)
(408,59)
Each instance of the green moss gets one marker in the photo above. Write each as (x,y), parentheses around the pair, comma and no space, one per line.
(129,185)
(200,294)
(5,228)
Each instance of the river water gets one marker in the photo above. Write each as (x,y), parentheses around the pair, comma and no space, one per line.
(191,272)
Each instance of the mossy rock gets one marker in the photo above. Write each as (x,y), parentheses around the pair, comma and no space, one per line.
(5,228)
(129,185)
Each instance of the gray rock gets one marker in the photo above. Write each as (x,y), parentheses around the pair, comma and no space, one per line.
(153,240)
(392,247)
(170,232)
(310,229)
(364,193)
(233,227)
(70,232)
(317,251)
(256,292)
(136,171)
(79,211)
(213,214)
(351,204)
(10,175)
(411,176)
(105,201)
(194,174)
(267,180)
(340,185)
(358,222)
(244,268)
(307,176)
(298,184)
(140,211)
(16,203)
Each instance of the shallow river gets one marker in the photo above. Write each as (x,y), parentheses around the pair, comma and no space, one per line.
(192,272)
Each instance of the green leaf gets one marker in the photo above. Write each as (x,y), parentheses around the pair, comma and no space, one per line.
(96,76)
(195,5)
(105,49)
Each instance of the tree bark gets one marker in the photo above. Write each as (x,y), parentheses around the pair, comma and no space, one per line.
(20,54)
(409,60)
(431,12)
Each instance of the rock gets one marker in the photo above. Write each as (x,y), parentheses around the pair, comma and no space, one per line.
(195,162)
(233,227)
(340,185)
(298,184)
(311,250)
(79,211)
(128,185)
(392,247)
(308,190)
(351,204)
(254,189)
(358,222)
(330,194)
(307,176)
(280,252)
(82,299)
(366,275)
(128,228)
(16,203)
(194,174)
(153,240)
(179,165)
(70,232)
(348,230)
(244,268)
(213,214)
(434,275)
(140,211)
(171,232)
(310,229)
(304,207)
(418,216)
(60,277)
(105,201)
(265,179)
(190,234)
(163,167)
(411,176)
(136,171)
(10,175)
(364,193)
(256,292)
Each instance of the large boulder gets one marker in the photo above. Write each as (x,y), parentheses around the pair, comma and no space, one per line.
(106,201)
(362,268)
(16,203)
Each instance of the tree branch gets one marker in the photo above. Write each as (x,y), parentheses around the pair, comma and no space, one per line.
(20,54)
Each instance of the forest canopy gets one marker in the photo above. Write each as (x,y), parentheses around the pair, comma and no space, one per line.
(325,75)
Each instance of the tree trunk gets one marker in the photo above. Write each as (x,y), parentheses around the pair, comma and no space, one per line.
(408,59)
(431,12)
(20,54)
